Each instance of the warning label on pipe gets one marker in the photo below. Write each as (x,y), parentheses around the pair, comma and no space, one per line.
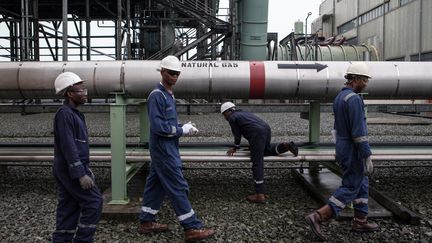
(209,64)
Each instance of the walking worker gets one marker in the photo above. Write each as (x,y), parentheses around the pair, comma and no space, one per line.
(165,177)
(258,134)
(353,154)
(79,199)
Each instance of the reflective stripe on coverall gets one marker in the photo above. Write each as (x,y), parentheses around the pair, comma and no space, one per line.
(166,176)
(258,134)
(352,148)
(78,210)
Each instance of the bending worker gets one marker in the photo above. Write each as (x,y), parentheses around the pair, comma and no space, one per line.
(79,199)
(165,177)
(352,153)
(258,134)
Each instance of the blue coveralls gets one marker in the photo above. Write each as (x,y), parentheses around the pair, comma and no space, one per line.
(166,176)
(352,148)
(78,210)
(258,134)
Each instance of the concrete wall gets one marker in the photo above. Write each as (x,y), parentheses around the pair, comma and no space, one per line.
(427,26)
(401,31)
(365,6)
(371,33)
(346,10)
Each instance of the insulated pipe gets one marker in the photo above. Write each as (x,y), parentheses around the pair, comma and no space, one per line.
(330,52)
(300,158)
(222,153)
(219,79)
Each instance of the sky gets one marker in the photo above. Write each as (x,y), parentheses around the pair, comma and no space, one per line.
(283,14)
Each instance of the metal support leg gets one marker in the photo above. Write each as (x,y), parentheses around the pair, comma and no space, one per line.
(314,132)
(144,124)
(314,122)
(144,134)
(118,151)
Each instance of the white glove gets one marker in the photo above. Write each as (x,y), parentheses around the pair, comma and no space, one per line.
(189,129)
(369,166)
(86,182)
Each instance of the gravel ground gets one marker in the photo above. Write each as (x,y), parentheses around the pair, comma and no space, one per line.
(28,194)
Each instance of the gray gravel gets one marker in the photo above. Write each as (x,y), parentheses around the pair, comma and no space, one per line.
(28,200)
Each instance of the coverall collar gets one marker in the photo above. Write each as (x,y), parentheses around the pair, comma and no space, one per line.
(161,87)
(70,106)
(350,88)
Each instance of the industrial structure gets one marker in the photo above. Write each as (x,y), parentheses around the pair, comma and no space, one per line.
(34,30)
(132,29)
(399,29)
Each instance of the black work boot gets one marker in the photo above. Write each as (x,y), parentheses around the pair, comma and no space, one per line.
(315,219)
(361,224)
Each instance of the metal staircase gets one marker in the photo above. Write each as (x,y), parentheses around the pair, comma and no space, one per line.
(205,20)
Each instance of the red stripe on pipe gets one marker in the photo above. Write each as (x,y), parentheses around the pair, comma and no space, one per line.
(257,80)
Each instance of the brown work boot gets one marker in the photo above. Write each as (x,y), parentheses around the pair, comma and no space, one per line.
(192,235)
(150,227)
(361,224)
(291,147)
(256,198)
(315,219)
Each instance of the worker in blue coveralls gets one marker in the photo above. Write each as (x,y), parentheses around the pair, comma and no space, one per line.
(258,134)
(352,153)
(165,177)
(79,199)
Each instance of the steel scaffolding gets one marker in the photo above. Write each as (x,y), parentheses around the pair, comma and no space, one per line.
(33,30)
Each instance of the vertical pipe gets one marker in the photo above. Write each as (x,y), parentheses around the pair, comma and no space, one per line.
(118,30)
(80,34)
(26,31)
(358,13)
(88,44)
(65,30)
(56,26)
(129,26)
(213,37)
(22,33)
(36,29)
(384,30)
(254,20)
(233,19)
(314,122)
(144,124)
(420,30)
(333,19)
(12,40)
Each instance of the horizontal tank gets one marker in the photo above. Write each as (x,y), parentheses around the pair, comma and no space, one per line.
(329,53)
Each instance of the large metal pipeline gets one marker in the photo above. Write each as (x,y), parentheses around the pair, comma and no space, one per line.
(219,79)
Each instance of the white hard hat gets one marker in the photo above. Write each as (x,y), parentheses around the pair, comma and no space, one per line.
(358,68)
(171,63)
(226,106)
(65,80)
